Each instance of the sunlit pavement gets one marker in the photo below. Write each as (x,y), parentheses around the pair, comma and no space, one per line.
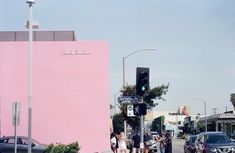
(177,145)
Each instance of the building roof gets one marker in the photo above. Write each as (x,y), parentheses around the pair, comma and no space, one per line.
(37,36)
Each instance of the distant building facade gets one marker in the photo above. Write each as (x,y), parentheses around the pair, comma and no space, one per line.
(166,121)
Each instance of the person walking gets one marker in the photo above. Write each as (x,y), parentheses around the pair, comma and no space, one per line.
(146,140)
(113,142)
(168,144)
(136,143)
(122,143)
(161,140)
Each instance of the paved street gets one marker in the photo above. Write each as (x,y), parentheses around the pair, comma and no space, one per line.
(178,145)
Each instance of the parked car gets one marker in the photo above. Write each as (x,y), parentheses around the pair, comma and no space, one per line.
(151,144)
(7,145)
(189,146)
(154,134)
(232,137)
(214,142)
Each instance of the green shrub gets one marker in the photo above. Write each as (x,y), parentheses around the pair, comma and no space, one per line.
(62,148)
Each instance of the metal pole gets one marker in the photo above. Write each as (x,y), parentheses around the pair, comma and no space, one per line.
(123,62)
(177,123)
(123,72)
(204,111)
(141,129)
(15,124)
(115,104)
(30,80)
(0,117)
(125,125)
(123,85)
(205,116)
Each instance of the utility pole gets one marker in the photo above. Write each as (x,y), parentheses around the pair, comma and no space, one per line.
(204,111)
(226,108)
(214,110)
(30,3)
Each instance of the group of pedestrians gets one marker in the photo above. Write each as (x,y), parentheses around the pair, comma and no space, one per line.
(118,143)
(136,142)
(165,143)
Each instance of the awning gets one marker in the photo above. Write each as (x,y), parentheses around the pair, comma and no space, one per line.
(226,121)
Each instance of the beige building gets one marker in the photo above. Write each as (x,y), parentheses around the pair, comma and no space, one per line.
(171,120)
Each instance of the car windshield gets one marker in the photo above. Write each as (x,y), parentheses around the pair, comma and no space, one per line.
(217,138)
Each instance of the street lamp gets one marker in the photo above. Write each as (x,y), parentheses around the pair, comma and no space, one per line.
(30,27)
(125,57)
(204,111)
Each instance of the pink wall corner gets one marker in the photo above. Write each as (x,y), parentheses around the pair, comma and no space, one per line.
(70,91)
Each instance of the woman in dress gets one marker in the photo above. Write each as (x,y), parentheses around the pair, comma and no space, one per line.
(122,142)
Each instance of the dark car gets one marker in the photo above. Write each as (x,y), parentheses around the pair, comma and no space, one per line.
(7,145)
(214,142)
(189,146)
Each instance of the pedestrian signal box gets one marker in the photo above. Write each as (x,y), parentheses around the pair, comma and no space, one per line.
(140,109)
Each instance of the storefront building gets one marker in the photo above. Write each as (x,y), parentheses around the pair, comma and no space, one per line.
(70,86)
(219,122)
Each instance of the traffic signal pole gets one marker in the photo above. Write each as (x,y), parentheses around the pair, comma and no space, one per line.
(142,87)
(142,129)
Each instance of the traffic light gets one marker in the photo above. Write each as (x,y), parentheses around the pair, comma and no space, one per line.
(140,109)
(142,80)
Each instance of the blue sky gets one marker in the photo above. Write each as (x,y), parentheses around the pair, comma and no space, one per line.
(194,42)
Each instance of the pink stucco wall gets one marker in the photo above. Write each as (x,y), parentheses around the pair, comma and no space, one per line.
(70,92)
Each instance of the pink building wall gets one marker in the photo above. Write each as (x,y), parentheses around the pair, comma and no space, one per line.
(70,92)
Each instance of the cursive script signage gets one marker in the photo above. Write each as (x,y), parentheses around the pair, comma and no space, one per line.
(78,52)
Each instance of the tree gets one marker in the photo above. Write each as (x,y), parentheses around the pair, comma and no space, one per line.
(156,94)
(118,123)
(128,90)
(151,99)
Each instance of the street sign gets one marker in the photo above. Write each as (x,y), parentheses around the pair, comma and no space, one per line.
(128,99)
(15,121)
(130,111)
(16,114)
